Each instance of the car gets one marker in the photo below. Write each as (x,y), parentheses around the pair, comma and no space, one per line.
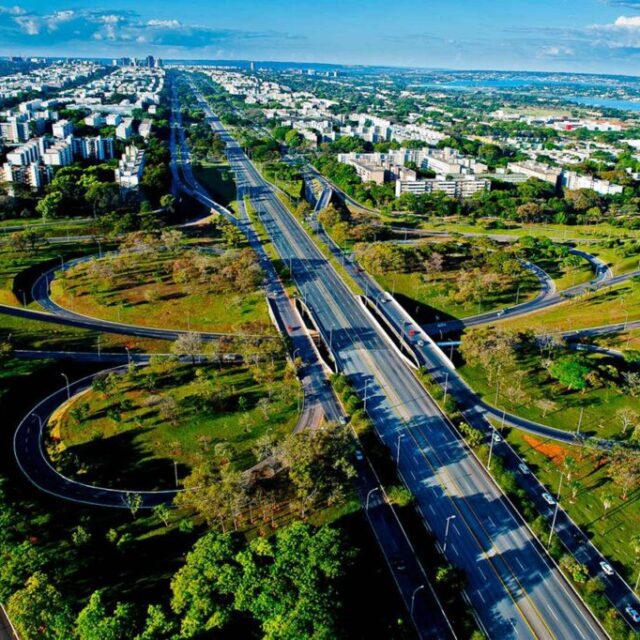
(398,563)
(497,437)
(441,325)
(607,568)
(500,313)
(524,469)
(359,456)
(421,343)
(342,420)
(548,498)
(632,613)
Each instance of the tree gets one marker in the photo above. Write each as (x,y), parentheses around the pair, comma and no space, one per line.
(95,622)
(624,469)
(627,418)
(570,372)
(163,513)
(39,610)
(50,206)
(158,625)
(608,498)
(188,344)
(133,502)
(202,589)
(103,197)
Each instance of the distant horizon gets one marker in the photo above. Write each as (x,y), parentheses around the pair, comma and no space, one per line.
(328,65)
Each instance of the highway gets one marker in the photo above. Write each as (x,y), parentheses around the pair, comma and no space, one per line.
(513,586)
(476,412)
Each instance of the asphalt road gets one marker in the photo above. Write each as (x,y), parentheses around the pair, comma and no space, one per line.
(477,412)
(513,585)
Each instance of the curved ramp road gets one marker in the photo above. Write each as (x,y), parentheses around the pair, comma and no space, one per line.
(35,465)
(514,587)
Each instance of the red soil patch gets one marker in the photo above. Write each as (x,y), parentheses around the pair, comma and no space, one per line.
(555,452)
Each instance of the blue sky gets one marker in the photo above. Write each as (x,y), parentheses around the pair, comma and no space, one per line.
(563,35)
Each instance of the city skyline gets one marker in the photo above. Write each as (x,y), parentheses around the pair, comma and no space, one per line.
(601,36)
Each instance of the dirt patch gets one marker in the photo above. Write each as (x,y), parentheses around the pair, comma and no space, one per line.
(552,450)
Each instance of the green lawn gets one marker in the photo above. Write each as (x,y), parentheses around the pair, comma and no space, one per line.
(430,301)
(556,231)
(610,531)
(127,438)
(146,294)
(525,390)
(612,305)
(18,265)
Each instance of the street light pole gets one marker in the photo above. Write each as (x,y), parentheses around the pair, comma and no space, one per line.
(580,420)
(555,511)
(371,491)
(446,388)
(413,598)
(400,436)
(492,434)
(64,375)
(446,531)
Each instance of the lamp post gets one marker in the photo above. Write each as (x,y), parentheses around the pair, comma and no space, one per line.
(555,511)
(64,375)
(400,436)
(413,598)
(446,532)
(369,493)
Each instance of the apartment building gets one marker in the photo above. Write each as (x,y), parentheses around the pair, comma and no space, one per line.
(62,129)
(130,168)
(125,129)
(538,170)
(96,148)
(59,153)
(460,188)
(27,153)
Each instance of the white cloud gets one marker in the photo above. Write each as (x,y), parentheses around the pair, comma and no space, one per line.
(30,26)
(167,24)
(627,22)
(555,51)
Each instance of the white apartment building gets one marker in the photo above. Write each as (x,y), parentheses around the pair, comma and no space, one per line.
(62,129)
(462,187)
(144,128)
(95,120)
(130,168)
(59,154)
(113,119)
(533,169)
(97,148)
(125,129)
(27,153)
(572,180)
(34,175)
(16,129)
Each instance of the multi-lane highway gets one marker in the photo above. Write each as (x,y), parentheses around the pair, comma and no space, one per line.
(513,585)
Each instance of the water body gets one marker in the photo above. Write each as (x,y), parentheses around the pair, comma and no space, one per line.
(606,103)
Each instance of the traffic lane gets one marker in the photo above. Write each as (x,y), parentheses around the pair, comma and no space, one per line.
(490,516)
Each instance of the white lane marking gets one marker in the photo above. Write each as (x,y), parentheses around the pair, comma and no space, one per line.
(578,630)
(520,564)
(481,596)
(453,548)
(431,509)
(553,613)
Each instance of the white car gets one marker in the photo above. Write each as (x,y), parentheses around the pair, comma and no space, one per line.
(548,498)
(524,469)
(632,613)
(359,456)
(497,438)
(607,568)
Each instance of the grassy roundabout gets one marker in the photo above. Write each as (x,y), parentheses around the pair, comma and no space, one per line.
(527,387)
(450,278)
(127,430)
(612,305)
(179,288)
